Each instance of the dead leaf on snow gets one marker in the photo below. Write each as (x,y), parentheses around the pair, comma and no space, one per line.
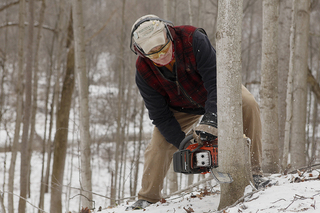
(189,210)
(86,210)
(163,200)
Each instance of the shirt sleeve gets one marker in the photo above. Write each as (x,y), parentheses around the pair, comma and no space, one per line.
(205,56)
(160,114)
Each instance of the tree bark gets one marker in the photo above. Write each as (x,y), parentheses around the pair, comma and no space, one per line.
(61,136)
(190,12)
(283,67)
(35,90)
(19,91)
(232,147)
(24,170)
(299,95)
(288,124)
(119,138)
(137,160)
(269,87)
(315,115)
(80,69)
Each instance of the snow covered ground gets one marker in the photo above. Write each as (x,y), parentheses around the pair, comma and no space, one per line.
(291,193)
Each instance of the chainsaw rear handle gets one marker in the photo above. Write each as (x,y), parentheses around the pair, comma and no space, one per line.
(185,141)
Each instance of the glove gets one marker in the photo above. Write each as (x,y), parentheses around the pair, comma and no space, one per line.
(207,130)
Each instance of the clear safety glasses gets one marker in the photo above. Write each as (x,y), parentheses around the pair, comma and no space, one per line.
(163,50)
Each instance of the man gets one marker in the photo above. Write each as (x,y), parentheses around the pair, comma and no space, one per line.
(176,76)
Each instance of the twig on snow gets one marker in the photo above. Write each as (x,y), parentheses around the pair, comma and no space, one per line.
(24,200)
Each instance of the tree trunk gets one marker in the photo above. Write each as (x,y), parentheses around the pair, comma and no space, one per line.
(27,112)
(283,67)
(19,91)
(42,187)
(299,95)
(35,90)
(315,116)
(119,115)
(61,136)
(137,160)
(289,103)
(269,87)
(165,10)
(231,142)
(247,71)
(80,68)
(63,29)
(190,12)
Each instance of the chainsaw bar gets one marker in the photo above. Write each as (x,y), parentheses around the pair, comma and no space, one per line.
(221,177)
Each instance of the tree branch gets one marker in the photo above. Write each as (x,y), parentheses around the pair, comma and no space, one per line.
(8,5)
(10,24)
(190,187)
(25,200)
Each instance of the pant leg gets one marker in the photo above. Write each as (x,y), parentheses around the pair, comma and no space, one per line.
(158,157)
(252,129)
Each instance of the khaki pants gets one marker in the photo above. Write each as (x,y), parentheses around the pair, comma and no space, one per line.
(158,155)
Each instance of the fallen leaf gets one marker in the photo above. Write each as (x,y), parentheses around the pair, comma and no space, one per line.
(86,210)
(189,210)
(163,200)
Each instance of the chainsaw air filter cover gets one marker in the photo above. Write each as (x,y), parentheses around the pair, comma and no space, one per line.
(196,159)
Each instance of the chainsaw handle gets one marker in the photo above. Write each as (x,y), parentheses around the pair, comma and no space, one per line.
(185,141)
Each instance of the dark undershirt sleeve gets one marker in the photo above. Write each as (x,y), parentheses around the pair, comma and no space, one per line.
(160,114)
(205,56)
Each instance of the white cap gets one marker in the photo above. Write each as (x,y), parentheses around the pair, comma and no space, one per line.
(150,33)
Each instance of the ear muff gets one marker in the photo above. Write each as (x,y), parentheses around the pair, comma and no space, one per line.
(137,51)
(135,47)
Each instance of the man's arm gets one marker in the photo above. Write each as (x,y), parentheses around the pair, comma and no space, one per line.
(206,63)
(205,56)
(160,114)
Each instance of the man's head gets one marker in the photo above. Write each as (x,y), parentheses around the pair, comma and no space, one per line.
(148,32)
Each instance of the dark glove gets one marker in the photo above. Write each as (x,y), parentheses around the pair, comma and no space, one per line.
(207,130)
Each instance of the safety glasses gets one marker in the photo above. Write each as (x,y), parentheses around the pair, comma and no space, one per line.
(163,50)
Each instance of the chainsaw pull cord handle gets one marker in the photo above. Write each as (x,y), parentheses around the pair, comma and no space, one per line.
(185,141)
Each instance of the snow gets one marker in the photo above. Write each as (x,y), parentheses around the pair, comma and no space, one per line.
(285,196)
(289,193)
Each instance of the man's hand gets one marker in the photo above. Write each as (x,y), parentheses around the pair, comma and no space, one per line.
(207,130)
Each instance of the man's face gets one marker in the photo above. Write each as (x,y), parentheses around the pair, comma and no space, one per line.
(161,54)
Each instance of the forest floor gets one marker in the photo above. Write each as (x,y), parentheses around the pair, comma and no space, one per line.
(299,192)
(290,193)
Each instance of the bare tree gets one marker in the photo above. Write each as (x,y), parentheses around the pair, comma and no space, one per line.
(35,89)
(283,64)
(269,87)
(299,93)
(137,160)
(62,26)
(24,170)
(119,138)
(80,70)
(19,91)
(62,123)
(289,97)
(315,116)
(190,12)
(231,143)
(165,9)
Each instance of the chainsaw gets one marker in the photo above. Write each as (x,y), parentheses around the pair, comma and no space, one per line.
(199,159)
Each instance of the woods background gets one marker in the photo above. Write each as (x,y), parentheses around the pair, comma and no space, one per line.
(40,93)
